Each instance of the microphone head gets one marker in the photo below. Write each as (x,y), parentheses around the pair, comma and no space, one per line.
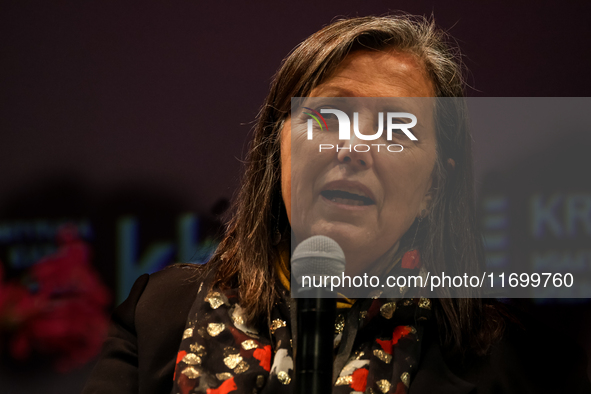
(317,256)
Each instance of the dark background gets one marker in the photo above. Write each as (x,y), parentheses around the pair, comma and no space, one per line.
(144,109)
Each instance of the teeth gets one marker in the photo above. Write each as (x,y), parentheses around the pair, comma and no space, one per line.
(347,201)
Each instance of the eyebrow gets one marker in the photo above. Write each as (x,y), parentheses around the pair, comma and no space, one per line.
(335,91)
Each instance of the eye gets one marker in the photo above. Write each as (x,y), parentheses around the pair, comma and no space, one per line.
(399,121)
(322,121)
(328,116)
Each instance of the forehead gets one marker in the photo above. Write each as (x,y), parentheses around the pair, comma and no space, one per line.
(367,73)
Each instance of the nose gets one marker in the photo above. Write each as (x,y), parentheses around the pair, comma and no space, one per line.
(355,152)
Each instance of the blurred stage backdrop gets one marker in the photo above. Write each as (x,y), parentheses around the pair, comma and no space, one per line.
(123,126)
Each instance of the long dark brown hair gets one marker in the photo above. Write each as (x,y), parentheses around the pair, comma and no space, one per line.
(449,238)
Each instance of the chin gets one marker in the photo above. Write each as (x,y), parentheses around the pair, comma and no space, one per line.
(353,240)
(345,234)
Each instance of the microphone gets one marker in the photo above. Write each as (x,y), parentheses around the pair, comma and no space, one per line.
(315,257)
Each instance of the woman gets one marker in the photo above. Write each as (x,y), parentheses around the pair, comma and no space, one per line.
(226,328)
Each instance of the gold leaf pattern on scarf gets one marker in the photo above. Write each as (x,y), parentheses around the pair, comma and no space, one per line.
(344,380)
(382,355)
(241,367)
(383,385)
(277,324)
(192,359)
(403,289)
(283,377)
(387,310)
(339,324)
(232,360)
(408,303)
(223,376)
(191,372)
(238,319)
(260,381)
(188,333)
(249,344)
(198,349)
(229,350)
(370,391)
(215,299)
(214,329)
(201,331)
(362,315)
(412,329)
(405,377)
(358,354)
(425,303)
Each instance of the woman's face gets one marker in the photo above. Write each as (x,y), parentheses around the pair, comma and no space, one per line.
(398,184)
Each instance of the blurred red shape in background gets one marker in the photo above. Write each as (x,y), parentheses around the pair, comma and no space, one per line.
(61,313)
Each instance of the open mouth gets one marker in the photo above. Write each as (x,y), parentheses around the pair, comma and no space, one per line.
(343,197)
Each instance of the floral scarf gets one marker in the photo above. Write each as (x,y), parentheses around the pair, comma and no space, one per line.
(377,346)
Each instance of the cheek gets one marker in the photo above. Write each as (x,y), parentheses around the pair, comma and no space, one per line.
(410,185)
(305,172)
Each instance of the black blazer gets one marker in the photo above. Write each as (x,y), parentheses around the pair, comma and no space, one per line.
(140,353)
